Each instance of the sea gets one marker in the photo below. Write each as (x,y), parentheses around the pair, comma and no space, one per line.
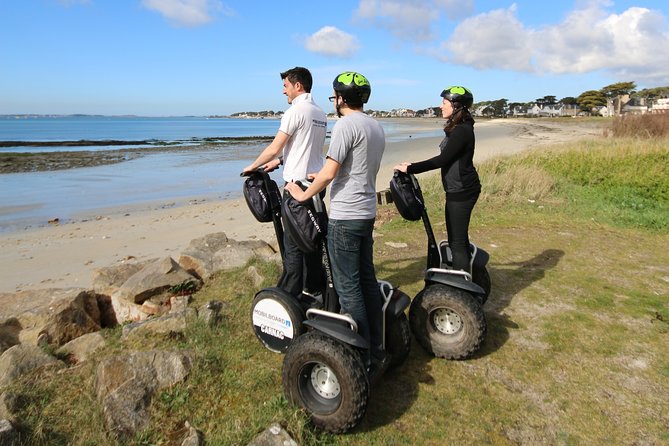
(201,170)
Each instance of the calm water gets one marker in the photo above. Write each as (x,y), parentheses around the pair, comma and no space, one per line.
(31,199)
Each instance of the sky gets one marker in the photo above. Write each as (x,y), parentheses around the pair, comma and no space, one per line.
(218,57)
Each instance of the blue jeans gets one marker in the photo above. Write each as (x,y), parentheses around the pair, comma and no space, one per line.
(350,246)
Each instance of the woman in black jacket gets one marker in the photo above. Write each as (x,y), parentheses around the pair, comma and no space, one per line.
(458,175)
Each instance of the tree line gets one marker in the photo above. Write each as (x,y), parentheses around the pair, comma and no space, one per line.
(586,101)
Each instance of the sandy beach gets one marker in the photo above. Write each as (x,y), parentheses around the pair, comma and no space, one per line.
(66,255)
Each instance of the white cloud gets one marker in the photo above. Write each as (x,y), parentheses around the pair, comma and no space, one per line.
(332,42)
(188,13)
(495,39)
(406,19)
(631,45)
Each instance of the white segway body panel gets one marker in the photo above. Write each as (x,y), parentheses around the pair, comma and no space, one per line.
(277,319)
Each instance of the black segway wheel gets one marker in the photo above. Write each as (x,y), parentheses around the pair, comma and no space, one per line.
(398,339)
(277,319)
(447,322)
(481,277)
(328,380)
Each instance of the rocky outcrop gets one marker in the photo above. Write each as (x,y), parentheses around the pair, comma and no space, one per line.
(125,385)
(153,295)
(215,252)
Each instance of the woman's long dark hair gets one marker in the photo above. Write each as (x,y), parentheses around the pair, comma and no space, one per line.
(460,114)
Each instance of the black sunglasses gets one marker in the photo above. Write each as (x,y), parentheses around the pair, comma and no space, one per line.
(332,98)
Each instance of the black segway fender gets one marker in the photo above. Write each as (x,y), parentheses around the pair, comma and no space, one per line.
(481,259)
(337,329)
(277,318)
(398,303)
(436,275)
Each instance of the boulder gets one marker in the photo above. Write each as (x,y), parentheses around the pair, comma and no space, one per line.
(21,359)
(215,252)
(275,435)
(210,312)
(69,318)
(81,348)
(193,437)
(108,279)
(54,316)
(126,384)
(167,324)
(153,279)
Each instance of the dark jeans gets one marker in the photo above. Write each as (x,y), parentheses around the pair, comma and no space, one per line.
(350,246)
(301,272)
(458,214)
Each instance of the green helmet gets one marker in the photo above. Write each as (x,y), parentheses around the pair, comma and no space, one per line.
(459,95)
(353,87)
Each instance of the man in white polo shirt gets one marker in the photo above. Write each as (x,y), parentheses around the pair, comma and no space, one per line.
(299,146)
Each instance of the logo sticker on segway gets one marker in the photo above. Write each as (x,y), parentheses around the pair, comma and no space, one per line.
(271,318)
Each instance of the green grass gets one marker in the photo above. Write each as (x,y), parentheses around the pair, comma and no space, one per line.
(578,325)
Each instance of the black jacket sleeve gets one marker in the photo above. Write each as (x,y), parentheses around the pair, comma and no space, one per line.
(451,149)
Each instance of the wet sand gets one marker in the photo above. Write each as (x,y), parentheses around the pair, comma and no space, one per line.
(64,255)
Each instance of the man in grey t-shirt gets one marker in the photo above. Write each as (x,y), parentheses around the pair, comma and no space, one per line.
(352,163)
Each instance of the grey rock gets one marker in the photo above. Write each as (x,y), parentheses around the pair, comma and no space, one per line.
(275,435)
(154,279)
(167,324)
(194,437)
(126,384)
(23,358)
(81,348)
(108,279)
(215,252)
(210,312)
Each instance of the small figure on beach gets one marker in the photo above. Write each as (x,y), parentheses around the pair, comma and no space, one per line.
(298,145)
(351,165)
(458,175)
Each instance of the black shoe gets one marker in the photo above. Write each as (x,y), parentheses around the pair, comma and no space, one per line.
(378,366)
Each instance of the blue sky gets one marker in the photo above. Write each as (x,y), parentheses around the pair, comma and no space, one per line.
(203,57)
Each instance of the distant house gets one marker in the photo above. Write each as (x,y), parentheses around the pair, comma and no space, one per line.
(545,110)
(660,106)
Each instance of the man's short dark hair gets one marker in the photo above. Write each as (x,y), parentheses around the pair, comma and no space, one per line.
(301,75)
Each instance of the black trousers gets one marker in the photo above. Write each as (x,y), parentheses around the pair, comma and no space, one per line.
(301,271)
(458,215)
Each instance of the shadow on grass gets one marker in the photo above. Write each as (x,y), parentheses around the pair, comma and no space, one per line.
(508,280)
(397,391)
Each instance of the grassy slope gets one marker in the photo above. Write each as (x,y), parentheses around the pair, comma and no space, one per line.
(578,321)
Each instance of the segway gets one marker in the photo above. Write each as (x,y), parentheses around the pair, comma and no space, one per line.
(446,316)
(323,370)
